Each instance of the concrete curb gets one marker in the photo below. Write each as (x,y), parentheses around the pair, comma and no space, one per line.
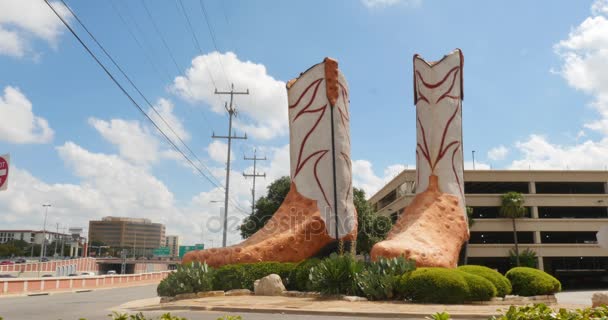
(401,315)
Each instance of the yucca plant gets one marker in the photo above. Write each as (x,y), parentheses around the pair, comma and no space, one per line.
(379,279)
(195,277)
(336,275)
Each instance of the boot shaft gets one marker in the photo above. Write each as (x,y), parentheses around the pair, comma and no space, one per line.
(438,94)
(319,123)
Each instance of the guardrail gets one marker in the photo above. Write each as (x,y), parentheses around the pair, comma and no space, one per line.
(13,286)
(81,264)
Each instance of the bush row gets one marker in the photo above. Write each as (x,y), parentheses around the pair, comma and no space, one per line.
(385,279)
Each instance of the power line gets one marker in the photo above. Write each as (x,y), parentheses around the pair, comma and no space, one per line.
(136,88)
(212,33)
(160,35)
(139,44)
(198,45)
(124,91)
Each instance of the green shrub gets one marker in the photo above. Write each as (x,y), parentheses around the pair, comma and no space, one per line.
(439,316)
(478,288)
(242,276)
(541,311)
(299,278)
(530,282)
(434,285)
(189,278)
(379,280)
(502,284)
(336,275)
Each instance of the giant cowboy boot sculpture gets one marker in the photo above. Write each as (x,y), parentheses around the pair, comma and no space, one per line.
(319,207)
(433,227)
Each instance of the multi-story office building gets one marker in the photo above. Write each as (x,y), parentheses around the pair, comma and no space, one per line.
(140,235)
(173,243)
(31,236)
(565,211)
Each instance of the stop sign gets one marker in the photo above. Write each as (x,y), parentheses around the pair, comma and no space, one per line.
(4,161)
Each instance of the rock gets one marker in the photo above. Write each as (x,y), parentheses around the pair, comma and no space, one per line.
(166,299)
(270,285)
(183,296)
(238,292)
(599,299)
(205,294)
(353,298)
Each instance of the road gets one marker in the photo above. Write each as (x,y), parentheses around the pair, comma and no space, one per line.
(96,305)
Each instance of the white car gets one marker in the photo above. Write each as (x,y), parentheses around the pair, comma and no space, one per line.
(111,272)
(87,274)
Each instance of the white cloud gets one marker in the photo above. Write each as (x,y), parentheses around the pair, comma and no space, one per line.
(263,115)
(19,124)
(389,3)
(218,151)
(21,20)
(165,108)
(134,141)
(141,143)
(538,153)
(365,178)
(498,153)
(585,67)
(468,165)
(600,7)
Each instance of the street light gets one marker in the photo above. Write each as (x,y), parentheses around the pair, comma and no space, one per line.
(42,248)
(225,222)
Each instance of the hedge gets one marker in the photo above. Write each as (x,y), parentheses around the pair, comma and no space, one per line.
(502,284)
(242,276)
(531,282)
(478,287)
(434,285)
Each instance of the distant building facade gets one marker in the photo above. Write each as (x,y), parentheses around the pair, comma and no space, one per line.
(173,243)
(140,235)
(566,208)
(31,236)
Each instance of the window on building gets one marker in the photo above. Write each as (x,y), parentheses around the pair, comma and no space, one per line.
(572,212)
(386,200)
(568,237)
(570,187)
(493,212)
(484,187)
(523,237)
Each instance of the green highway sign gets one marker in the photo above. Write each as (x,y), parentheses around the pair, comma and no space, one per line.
(162,252)
(184,249)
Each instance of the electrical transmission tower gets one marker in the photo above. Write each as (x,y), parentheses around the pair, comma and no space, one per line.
(231,109)
(254,175)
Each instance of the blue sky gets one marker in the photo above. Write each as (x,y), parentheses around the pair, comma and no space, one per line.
(535,81)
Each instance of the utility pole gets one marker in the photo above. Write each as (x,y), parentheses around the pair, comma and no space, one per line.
(254,175)
(231,112)
(43,246)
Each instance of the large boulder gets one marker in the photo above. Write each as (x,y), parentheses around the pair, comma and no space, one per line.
(270,285)
(599,299)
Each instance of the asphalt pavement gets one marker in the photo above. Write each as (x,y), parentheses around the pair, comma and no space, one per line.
(96,305)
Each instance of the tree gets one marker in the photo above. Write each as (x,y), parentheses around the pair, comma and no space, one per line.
(512,207)
(372,227)
(266,206)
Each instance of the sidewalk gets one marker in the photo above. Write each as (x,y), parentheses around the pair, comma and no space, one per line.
(315,306)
